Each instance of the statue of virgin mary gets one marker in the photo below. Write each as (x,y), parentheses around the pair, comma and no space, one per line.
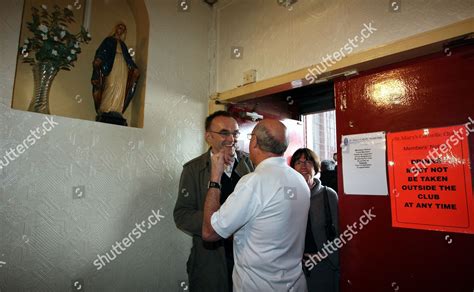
(114,77)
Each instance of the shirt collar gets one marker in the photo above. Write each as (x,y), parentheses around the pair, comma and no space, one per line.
(280,160)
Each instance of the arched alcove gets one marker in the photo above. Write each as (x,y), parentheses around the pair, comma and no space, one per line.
(71,91)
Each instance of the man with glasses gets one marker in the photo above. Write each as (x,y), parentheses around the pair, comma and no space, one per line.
(266,215)
(210,264)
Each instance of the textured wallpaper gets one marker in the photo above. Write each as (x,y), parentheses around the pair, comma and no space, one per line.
(88,206)
(276,40)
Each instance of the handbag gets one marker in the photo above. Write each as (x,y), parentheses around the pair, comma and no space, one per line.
(330,228)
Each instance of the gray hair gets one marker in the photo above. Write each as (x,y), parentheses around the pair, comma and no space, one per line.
(268,143)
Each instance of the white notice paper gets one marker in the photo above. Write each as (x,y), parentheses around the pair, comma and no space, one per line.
(364,169)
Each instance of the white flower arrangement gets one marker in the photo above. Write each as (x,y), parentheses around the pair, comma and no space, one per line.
(51,40)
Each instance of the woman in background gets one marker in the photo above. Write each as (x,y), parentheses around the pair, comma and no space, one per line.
(322,274)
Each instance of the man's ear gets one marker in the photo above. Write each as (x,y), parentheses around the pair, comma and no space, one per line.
(207,136)
(255,146)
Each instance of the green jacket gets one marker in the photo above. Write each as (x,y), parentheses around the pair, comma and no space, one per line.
(206,266)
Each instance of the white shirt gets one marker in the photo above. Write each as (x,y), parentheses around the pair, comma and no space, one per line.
(268,212)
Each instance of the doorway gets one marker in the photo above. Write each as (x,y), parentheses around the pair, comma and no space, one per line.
(320,133)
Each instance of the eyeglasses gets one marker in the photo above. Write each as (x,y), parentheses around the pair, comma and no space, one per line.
(225,133)
(249,136)
(306,163)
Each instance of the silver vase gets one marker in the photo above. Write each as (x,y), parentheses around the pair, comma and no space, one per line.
(43,75)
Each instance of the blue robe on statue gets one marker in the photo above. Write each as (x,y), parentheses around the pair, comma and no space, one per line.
(106,53)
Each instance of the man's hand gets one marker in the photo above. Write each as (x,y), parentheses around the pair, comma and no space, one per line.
(212,203)
(217,165)
(229,156)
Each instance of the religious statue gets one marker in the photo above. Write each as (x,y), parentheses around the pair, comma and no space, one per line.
(114,77)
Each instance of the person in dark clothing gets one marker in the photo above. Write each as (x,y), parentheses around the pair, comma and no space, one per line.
(322,218)
(329,174)
(210,264)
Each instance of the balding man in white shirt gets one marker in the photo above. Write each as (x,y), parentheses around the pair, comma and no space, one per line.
(267,215)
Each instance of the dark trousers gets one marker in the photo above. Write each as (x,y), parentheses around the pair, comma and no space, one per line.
(323,278)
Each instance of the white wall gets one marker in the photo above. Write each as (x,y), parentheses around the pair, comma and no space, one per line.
(47,239)
(277,40)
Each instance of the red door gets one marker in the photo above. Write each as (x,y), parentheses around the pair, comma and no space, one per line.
(436,90)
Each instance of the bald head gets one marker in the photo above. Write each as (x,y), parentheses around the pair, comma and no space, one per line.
(271,136)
